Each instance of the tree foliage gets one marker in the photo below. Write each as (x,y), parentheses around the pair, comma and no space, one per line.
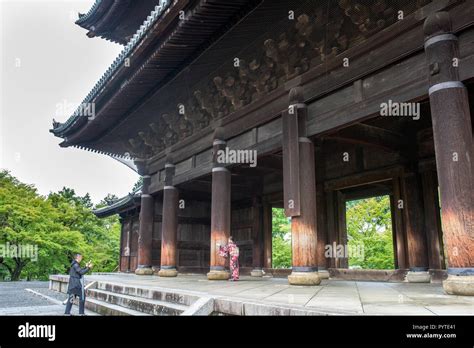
(281,239)
(369,224)
(59,225)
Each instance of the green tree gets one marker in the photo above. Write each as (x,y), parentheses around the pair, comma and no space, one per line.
(101,235)
(108,200)
(59,225)
(281,239)
(369,225)
(28,220)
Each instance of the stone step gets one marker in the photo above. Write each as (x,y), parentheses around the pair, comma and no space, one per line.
(141,304)
(104,308)
(158,294)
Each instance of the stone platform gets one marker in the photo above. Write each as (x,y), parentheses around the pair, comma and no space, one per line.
(271,296)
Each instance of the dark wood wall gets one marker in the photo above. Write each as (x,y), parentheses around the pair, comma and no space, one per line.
(129,234)
(193,236)
(194,231)
(241,227)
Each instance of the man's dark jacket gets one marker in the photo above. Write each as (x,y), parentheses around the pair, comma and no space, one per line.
(75,275)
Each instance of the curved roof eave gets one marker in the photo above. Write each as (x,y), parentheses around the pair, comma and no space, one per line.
(125,202)
(93,12)
(62,129)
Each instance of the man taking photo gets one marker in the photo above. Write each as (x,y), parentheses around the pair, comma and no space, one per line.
(76,284)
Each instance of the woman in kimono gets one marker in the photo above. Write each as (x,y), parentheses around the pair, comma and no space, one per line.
(231,250)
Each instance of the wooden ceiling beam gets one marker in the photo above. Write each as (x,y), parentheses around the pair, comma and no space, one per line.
(372,136)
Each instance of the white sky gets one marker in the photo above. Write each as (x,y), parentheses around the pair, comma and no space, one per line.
(58,64)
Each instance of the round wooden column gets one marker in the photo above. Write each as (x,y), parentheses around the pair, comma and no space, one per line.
(257,236)
(321,220)
(145,231)
(129,226)
(169,226)
(299,190)
(452,133)
(303,227)
(267,235)
(220,215)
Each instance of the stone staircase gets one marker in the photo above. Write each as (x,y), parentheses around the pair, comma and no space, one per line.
(106,298)
(118,297)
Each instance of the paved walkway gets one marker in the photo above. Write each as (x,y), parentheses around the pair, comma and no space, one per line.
(332,296)
(32,298)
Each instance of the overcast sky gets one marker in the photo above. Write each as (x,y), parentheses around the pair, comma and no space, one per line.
(47,61)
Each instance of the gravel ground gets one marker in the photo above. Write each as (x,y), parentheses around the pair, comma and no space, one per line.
(16,300)
(13,294)
(51,293)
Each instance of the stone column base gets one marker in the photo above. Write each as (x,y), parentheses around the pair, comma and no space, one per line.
(323,274)
(168,272)
(304,278)
(459,285)
(218,275)
(144,271)
(257,272)
(418,277)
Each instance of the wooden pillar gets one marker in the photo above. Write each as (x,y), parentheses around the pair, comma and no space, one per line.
(127,228)
(331,228)
(267,235)
(415,229)
(321,219)
(145,230)
(220,214)
(169,225)
(129,244)
(257,236)
(300,193)
(342,229)
(432,220)
(454,149)
(397,209)
(122,244)
(303,227)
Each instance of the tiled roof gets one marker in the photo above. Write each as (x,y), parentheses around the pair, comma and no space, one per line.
(89,13)
(61,128)
(119,204)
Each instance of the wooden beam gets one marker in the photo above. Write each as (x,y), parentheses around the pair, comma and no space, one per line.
(369,135)
(364,178)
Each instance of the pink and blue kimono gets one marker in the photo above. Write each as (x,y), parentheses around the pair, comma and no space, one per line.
(231,250)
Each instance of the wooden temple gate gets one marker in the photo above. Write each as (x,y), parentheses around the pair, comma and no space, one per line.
(307,96)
